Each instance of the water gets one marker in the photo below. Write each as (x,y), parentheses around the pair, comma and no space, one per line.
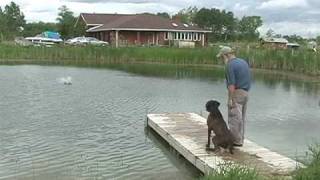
(95,128)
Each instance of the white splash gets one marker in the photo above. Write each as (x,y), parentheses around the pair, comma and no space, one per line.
(66,80)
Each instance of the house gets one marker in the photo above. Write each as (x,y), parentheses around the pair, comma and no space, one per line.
(276,43)
(293,45)
(142,29)
(312,45)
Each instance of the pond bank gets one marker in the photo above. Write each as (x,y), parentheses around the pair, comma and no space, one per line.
(281,74)
(300,61)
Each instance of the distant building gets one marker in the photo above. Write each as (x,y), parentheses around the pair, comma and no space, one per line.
(293,46)
(142,29)
(276,43)
(312,45)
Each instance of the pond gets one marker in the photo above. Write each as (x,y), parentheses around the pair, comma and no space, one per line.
(95,128)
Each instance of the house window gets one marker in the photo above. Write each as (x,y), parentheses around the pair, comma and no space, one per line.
(194,36)
(166,35)
(197,37)
(190,36)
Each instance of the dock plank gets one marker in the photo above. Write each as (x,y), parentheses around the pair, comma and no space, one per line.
(187,133)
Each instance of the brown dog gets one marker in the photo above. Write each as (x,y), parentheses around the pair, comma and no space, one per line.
(223,137)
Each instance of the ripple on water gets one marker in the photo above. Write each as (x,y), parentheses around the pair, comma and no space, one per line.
(94,129)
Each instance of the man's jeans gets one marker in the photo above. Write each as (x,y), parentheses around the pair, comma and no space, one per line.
(237,114)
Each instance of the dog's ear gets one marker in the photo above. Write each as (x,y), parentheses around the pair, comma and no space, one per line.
(217,104)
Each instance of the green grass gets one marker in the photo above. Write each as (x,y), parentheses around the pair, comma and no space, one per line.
(300,61)
(236,172)
(312,171)
(233,172)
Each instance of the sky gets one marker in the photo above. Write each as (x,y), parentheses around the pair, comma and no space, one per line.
(286,17)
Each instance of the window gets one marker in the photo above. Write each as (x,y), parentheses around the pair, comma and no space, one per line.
(166,35)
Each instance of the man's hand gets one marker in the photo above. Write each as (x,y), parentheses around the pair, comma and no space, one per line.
(231,103)
(231,90)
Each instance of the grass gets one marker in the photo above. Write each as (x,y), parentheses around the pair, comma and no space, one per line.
(233,172)
(300,61)
(312,171)
(236,172)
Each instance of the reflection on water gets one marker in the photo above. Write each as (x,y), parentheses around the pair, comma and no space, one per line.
(95,129)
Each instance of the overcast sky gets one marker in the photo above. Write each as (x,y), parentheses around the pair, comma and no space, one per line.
(300,17)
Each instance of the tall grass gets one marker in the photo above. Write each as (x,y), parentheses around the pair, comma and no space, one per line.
(312,171)
(300,61)
(233,172)
(236,172)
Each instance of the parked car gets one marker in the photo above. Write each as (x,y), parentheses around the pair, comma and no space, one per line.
(86,41)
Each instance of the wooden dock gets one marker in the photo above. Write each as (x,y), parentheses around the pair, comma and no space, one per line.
(187,133)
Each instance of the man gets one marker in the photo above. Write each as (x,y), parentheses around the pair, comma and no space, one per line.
(238,83)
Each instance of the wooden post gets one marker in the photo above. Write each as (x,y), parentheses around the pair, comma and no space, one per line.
(117,39)
(153,38)
(138,37)
(157,38)
(202,36)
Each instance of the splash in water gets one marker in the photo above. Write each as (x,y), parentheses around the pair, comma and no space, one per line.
(66,80)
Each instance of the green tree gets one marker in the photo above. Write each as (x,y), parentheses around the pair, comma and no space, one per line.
(223,24)
(295,39)
(248,26)
(186,15)
(12,20)
(318,39)
(32,29)
(3,25)
(163,14)
(66,22)
(270,33)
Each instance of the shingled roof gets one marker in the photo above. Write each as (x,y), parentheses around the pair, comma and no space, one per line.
(141,22)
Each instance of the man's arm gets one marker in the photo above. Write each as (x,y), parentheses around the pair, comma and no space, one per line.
(231,81)
(231,90)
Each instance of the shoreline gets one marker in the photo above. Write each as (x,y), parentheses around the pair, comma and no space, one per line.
(283,74)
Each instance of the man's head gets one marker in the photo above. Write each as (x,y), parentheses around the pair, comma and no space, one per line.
(226,53)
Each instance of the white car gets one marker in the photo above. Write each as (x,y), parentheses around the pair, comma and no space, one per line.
(86,41)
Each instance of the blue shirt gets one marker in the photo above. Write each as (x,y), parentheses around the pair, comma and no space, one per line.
(238,74)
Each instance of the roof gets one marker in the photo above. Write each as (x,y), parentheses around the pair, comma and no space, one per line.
(141,22)
(275,40)
(293,44)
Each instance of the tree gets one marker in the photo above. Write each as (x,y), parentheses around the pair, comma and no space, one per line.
(66,22)
(12,21)
(32,29)
(222,23)
(163,14)
(318,39)
(3,25)
(186,15)
(295,38)
(248,26)
(270,33)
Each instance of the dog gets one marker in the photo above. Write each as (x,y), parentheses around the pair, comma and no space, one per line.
(223,137)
